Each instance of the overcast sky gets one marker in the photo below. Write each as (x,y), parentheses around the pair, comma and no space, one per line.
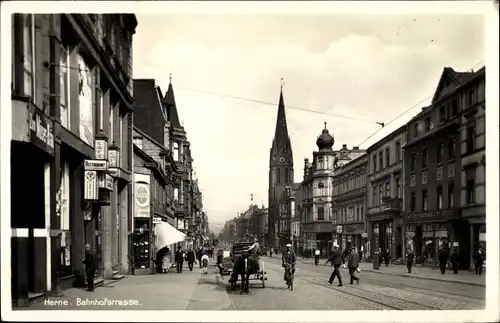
(364,67)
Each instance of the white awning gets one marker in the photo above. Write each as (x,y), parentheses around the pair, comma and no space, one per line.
(167,235)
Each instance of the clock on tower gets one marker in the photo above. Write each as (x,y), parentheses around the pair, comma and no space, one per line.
(282,159)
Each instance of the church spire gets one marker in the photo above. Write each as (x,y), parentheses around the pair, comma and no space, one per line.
(281,138)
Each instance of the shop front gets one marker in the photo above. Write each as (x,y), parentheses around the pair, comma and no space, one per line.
(381,236)
(353,234)
(318,237)
(142,235)
(165,239)
(474,218)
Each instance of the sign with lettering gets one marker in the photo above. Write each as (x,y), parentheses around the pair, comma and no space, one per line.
(90,185)
(100,165)
(100,149)
(142,198)
(106,181)
(41,130)
(157,220)
(113,158)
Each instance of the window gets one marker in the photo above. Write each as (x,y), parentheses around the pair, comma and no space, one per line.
(380,161)
(387,189)
(278,176)
(442,114)
(398,150)
(374,202)
(415,129)
(28,59)
(451,195)
(387,157)
(451,149)
(398,187)
(380,193)
(413,201)
(471,97)
(138,142)
(362,214)
(64,78)
(64,197)
(439,192)
(374,164)
(357,215)
(286,175)
(176,194)
(321,188)
(425,158)
(453,107)
(120,134)
(413,165)
(440,152)
(471,186)
(320,162)
(111,124)
(176,151)
(424,200)
(427,124)
(321,213)
(471,138)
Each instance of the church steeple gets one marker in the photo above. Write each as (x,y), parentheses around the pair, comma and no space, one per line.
(281,140)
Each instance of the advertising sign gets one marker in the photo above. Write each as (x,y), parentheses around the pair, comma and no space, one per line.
(106,181)
(113,158)
(180,224)
(339,229)
(100,165)
(41,130)
(157,220)
(90,185)
(142,198)
(85,102)
(100,149)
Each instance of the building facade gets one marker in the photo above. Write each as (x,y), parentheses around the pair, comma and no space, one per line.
(349,203)
(444,167)
(385,185)
(280,171)
(70,74)
(316,226)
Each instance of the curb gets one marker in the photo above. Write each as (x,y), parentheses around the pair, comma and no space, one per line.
(409,276)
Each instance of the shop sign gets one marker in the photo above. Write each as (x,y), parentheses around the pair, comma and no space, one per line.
(339,229)
(142,198)
(112,158)
(67,256)
(350,228)
(90,185)
(106,181)
(100,149)
(180,224)
(364,235)
(100,165)
(157,220)
(41,130)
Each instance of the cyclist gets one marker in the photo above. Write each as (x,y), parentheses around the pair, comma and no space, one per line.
(288,258)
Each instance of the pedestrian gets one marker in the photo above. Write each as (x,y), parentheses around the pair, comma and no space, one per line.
(353,264)
(316,257)
(360,252)
(443,259)
(204,261)
(271,252)
(409,260)
(191,259)
(454,260)
(336,260)
(166,261)
(387,258)
(199,254)
(90,262)
(179,259)
(479,261)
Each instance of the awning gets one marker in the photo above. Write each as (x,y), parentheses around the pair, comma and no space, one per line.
(167,235)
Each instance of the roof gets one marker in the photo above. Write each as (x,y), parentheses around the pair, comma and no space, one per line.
(149,115)
(387,138)
(449,81)
(281,138)
(156,169)
(171,107)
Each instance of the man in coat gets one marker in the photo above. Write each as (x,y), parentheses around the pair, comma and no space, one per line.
(409,260)
(190,259)
(443,259)
(454,260)
(353,264)
(336,260)
(90,262)
(179,259)
(479,261)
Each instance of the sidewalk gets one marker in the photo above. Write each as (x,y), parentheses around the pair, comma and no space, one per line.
(463,276)
(172,291)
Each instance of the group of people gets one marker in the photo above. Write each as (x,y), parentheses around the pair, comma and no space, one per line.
(337,259)
(163,261)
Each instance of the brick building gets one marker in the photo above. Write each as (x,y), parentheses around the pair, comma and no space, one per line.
(70,75)
(444,168)
(384,196)
(349,202)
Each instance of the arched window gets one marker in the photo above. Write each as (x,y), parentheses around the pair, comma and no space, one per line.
(278,175)
(287,175)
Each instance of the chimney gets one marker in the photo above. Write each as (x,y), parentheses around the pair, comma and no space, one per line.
(355,148)
(344,146)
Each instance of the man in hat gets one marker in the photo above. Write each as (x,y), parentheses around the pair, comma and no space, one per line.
(336,260)
(90,262)
(179,259)
(353,264)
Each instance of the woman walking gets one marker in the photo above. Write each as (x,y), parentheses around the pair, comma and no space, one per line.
(204,261)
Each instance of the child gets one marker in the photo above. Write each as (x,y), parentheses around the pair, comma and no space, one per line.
(204,261)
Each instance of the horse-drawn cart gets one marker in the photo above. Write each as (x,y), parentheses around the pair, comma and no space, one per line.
(246,266)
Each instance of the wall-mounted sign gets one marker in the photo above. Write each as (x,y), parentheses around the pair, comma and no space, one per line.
(41,130)
(100,165)
(157,220)
(106,181)
(142,198)
(90,185)
(85,102)
(339,229)
(180,224)
(113,158)
(101,149)
(115,172)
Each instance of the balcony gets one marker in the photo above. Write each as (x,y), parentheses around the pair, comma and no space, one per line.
(389,204)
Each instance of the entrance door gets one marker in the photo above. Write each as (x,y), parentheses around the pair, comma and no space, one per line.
(418,244)
(399,242)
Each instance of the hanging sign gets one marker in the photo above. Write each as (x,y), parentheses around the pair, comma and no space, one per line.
(106,181)
(100,165)
(157,220)
(90,185)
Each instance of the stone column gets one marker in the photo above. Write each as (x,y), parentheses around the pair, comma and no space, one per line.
(114,225)
(106,224)
(123,233)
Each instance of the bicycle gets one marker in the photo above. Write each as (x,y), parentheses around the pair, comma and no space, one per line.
(289,276)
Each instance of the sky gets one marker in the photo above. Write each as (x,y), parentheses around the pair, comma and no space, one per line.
(366,68)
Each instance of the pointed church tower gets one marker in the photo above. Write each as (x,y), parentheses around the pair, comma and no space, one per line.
(280,169)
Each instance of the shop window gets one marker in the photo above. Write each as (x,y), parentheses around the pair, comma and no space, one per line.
(424,200)
(471,138)
(440,152)
(451,149)
(439,198)
(451,195)
(413,201)
(425,158)
(398,150)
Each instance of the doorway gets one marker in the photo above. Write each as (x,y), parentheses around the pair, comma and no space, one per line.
(399,242)
(418,244)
